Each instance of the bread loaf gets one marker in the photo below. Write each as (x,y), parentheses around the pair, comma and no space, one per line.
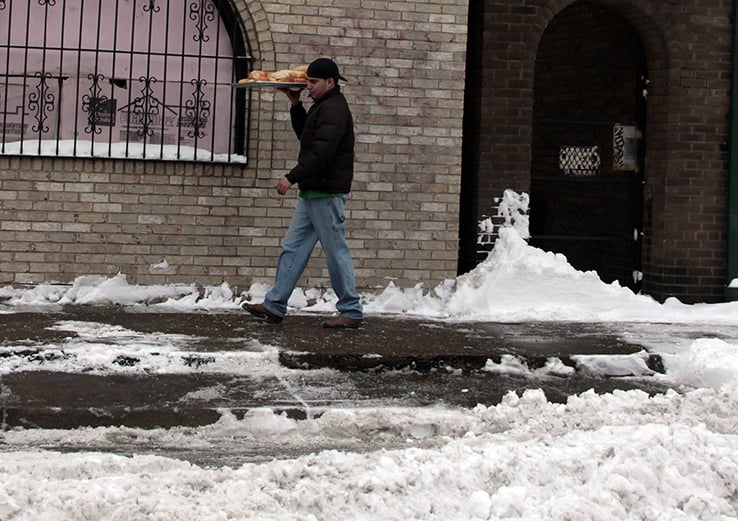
(296,75)
(258,75)
(281,75)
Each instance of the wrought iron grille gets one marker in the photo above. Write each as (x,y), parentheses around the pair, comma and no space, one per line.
(579,160)
(142,79)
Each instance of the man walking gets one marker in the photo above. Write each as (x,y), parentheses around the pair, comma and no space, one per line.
(324,171)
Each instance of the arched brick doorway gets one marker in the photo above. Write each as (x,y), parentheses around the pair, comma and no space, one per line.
(586,158)
(503,52)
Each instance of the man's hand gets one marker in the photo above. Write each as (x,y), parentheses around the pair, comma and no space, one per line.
(283,186)
(293,95)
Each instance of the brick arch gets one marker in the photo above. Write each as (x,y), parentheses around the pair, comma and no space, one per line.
(256,23)
(504,41)
(655,37)
(640,15)
(658,39)
(499,95)
(257,27)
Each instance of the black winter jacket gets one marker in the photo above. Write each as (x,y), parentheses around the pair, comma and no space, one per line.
(326,134)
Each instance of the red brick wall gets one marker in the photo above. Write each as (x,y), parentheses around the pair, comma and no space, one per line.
(688,56)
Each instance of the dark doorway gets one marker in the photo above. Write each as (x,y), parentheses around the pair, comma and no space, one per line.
(469,256)
(586,160)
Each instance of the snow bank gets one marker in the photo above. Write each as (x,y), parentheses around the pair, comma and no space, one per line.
(612,457)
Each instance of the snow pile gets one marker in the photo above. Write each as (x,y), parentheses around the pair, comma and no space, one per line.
(519,282)
(707,362)
(612,457)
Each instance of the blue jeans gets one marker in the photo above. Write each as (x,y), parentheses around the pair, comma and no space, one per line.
(316,220)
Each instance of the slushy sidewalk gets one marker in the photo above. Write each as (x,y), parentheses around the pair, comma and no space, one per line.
(390,361)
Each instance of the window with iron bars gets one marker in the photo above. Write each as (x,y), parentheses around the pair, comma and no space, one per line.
(138,79)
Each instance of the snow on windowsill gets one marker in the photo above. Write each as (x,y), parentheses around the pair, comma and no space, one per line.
(81,149)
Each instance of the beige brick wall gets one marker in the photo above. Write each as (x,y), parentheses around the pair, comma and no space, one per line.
(62,218)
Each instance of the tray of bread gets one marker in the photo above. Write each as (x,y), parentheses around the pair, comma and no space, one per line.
(293,79)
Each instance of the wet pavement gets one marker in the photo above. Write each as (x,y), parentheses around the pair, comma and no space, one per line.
(402,362)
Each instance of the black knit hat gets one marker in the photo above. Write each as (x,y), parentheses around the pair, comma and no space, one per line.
(324,68)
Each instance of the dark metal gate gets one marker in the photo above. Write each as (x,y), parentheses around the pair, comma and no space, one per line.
(587,168)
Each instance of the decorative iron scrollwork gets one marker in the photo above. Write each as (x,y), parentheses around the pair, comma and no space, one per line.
(143,97)
(151,7)
(201,12)
(92,104)
(41,102)
(197,110)
(145,108)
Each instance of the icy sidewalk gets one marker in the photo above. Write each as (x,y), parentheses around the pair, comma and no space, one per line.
(101,366)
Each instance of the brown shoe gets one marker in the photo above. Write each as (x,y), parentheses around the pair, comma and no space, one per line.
(343,323)
(258,310)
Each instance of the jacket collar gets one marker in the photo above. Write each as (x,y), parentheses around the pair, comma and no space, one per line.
(335,90)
